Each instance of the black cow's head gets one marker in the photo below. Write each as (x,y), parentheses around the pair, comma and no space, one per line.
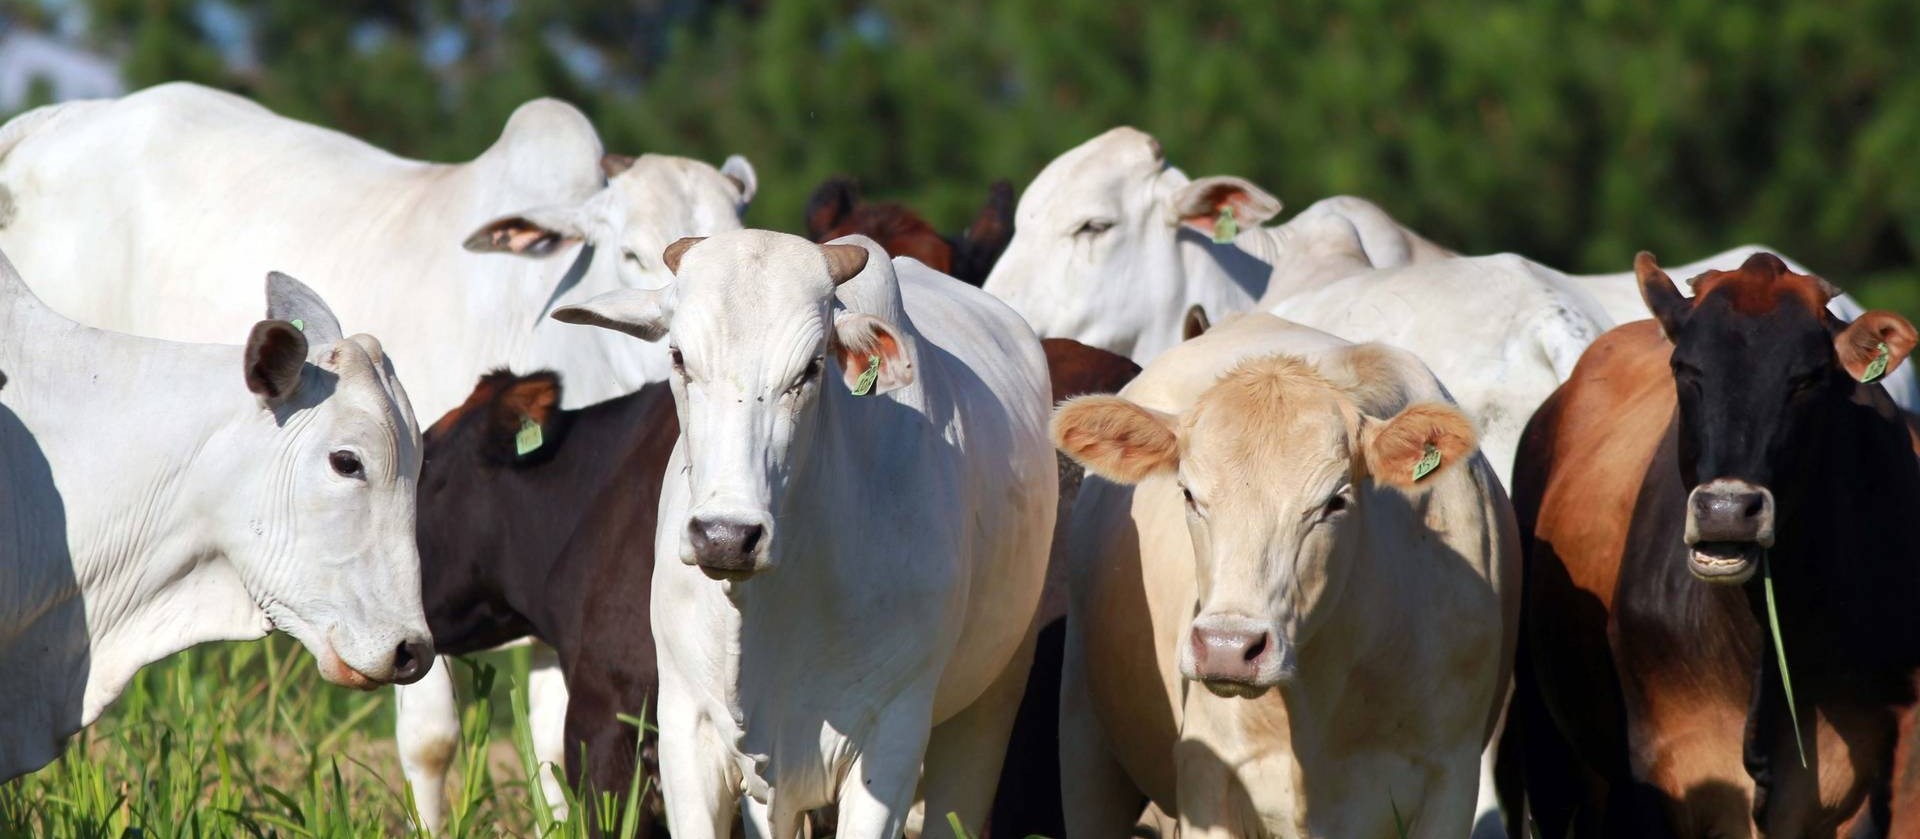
(1756,361)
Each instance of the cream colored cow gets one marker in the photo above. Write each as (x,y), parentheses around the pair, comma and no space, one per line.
(1300,618)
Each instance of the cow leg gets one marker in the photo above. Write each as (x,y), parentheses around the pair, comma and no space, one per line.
(1758,741)
(695,776)
(1486,819)
(1096,796)
(964,753)
(426,730)
(547,707)
(878,792)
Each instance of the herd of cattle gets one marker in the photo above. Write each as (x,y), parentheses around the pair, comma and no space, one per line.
(1290,598)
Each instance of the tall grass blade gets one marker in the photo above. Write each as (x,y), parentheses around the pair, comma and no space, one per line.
(1780,650)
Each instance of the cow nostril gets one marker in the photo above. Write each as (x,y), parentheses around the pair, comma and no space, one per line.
(1756,504)
(1256,649)
(750,537)
(410,660)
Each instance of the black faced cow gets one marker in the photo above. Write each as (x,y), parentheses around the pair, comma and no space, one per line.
(1736,436)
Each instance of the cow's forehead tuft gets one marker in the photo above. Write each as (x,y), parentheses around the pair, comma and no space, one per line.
(1759,287)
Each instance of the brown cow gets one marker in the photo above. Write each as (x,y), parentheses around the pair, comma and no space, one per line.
(1684,454)
(835,210)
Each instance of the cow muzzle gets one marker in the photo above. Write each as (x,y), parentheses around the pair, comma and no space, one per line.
(728,546)
(1729,527)
(1233,655)
(407,662)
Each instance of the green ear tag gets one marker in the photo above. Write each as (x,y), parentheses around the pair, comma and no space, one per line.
(1428,462)
(302,325)
(529,439)
(1878,367)
(864,385)
(1225,228)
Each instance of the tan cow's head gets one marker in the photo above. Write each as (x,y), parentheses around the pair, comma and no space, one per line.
(1279,468)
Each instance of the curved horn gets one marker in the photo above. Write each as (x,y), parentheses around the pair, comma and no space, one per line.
(844,261)
(671,256)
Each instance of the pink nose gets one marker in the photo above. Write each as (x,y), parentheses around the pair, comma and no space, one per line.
(1231,654)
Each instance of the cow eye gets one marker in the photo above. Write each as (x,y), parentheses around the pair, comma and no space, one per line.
(812,372)
(1191,503)
(679,361)
(346,464)
(1336,504)
(1094,227)
(630,256)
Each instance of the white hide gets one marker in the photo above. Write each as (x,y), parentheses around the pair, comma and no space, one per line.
(1100,255)
(909,538)
(1501,332)
(1395,691)
(150,502)
(157,213)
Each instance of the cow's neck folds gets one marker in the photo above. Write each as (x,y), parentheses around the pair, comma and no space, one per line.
(143,560)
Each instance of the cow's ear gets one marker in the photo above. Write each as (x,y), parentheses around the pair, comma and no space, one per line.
(1202,205)
(1663,298)
(523,412)
(541,231)
(982,243)
(745,181)
(1417,445)
(873,358)
(830,202)
(1873,345)
(293,301)
(275,360)
(1116,439)
(646,314)
(1195,324)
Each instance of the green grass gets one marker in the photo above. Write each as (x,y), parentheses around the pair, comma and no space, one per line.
(246,740)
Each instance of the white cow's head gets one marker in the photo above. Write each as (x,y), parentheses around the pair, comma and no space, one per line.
(649,202)
(1103,242)
(319,489)
(755,344)
(1280,471)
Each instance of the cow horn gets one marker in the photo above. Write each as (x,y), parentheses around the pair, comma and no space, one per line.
(844,261)
(671,256)
(611,165)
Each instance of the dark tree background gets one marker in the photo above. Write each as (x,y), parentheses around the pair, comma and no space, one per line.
(1574,131)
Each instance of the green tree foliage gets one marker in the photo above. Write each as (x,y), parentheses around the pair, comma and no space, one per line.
(1574,132)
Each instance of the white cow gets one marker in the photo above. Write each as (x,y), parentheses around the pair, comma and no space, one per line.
(156,212)
(154,496)
(861,503)
(1300,619)
(157,209)
(1112,246)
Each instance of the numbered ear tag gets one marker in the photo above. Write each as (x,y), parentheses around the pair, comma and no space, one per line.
(1224,227)
(302,325)
(529,438)
(1878,367)
(1428,462)
(864,385)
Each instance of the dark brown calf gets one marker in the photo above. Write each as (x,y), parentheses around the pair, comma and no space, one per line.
(1683,454)
(556,543)
(835,210)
